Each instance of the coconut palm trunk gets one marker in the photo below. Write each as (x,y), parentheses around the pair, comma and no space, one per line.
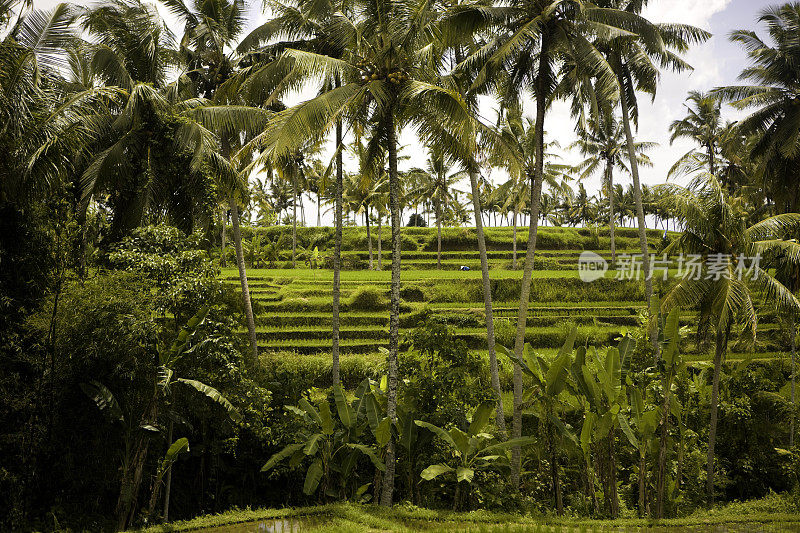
(487,300)
(514,257)
(394,311)
(337,254)
(380,245)
(525,292)
(223,261)
(721,341)
(369,236)
(637,197)
(610,182)
(438,234)
(248,306)
(294,220)
(794,350)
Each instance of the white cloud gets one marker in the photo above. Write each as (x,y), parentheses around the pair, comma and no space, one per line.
(694,12)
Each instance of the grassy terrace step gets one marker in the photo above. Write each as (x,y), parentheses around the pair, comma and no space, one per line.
(468,254)
(324,345)
(323,319)
(364,276)
(306,333)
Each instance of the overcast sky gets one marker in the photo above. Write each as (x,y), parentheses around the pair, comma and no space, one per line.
(717,62)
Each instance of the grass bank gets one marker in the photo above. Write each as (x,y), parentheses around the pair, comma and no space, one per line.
(772,513)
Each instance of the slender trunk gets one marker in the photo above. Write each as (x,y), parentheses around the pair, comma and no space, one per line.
(380,251)
(168,487)
(590,483)
(711,168)
(369,237)
(610,180)
(319,211)
(712,430)
(294,222)
(438,236)
(457,496)
(791,419)
(554,470)
(514,260)
(337,254)
(681,446)
(223,261)
(525,292)
(487,300)
(394,312)
(642,480)
(248,306)
(662,451)
(132,472)
(612,475)
(637,196)
(156,492)
(83,222)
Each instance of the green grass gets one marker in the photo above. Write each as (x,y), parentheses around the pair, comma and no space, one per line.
(293,306)
(772,513)
(385,276)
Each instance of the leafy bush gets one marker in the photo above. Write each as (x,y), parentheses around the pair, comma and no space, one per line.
(367,298)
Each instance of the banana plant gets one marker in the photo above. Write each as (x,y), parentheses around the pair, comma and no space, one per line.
(473,450)
(601,384)
(176,448)
(672,365)
(254,252)
(645,422)
(549,381)
(310,256)
(262,251)
(169,357)
(137,438)
(409,437)
(331,444)
(311,253)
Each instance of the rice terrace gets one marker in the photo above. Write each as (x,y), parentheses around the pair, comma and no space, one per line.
(399,265)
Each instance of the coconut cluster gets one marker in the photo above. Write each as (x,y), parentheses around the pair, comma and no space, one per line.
(371,72)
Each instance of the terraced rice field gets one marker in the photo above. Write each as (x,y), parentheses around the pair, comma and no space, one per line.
(293,306)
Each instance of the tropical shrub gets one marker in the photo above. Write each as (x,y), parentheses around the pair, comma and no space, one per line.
(366,298)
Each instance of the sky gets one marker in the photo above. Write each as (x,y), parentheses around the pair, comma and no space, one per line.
(716,62)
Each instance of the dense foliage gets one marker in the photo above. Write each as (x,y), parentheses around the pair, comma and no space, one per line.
(143,381)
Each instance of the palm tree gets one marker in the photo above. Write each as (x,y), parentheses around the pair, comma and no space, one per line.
(310,26)
(389,80)
(768,134)
(774,98)
(436,183)
(131,47)
(212,29)
(47,125)
(516,193)
(703,124)
(582,208)
(290,169)
(364,190)
(635,58)
(717,229)
(604,144)
(521,142)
